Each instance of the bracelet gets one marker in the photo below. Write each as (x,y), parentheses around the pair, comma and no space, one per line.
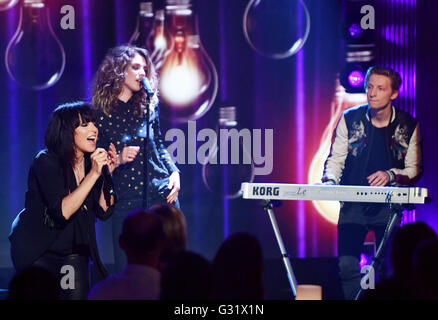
(391,175)
(330,182)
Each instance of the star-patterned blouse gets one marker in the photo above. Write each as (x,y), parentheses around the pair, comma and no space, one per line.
(126,128)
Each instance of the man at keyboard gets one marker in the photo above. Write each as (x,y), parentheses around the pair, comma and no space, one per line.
(373,145)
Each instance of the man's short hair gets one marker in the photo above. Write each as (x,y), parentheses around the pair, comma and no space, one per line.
(394,76)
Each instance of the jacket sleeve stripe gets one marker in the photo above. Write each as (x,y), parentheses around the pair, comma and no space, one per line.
(335,162)
(413,162)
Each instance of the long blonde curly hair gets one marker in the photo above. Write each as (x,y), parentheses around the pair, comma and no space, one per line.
(110,77)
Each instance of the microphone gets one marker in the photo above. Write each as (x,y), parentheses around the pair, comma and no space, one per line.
(147,86)
(109,185)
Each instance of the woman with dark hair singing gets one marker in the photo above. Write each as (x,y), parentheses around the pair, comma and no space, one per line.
(145,173)
(66,192)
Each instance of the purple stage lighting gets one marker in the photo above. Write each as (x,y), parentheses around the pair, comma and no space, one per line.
(363,260)
(355,30)
(356,78)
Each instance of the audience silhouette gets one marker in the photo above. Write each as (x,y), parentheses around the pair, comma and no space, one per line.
(33,283)
(142,239)
(151,237)
(238,268)
(186,276)
(402,284)
(425,266)
(175,228)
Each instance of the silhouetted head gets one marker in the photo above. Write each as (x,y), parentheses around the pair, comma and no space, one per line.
(142,235)
(34,283)
(238,268)
(187,276)
(425,267)
(174,224)
(404,243)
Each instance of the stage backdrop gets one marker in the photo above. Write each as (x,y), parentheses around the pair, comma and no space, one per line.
(292,96)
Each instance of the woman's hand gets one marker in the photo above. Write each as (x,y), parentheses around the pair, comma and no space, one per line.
(72,202)
(128,154)
(99,158)
(112,158)
(174,184)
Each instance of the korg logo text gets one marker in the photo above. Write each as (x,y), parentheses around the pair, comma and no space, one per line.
(266,191)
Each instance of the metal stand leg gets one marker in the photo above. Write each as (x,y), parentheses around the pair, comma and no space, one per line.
(396,213)
(267,205)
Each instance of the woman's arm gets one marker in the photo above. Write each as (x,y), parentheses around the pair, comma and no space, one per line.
(162,151)
(106,200)
(174,178)
(72,202)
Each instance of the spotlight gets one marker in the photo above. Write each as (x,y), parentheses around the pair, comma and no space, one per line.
(360,46)
(355,30)
(356,78)
(352,77)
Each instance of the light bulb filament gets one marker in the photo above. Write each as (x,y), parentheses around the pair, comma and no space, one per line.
(188,76)
(181,81)
(160,42)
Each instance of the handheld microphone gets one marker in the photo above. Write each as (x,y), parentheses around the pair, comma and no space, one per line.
(147,86)
(109,185)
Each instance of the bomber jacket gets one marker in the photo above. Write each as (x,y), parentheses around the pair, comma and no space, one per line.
(350,150)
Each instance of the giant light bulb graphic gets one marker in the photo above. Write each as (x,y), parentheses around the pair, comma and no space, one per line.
(341,101)
(7,4)
(188,77)
(145,21)
(158,40)
(276,29)
(182,80)
(223,172)
(35,58)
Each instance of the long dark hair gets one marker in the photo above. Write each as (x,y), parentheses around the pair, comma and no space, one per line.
(110,77)
(59,137)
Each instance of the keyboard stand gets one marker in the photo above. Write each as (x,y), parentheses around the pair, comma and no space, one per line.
(267,206)
(394,221)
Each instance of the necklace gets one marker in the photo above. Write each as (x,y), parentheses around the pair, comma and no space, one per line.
(76,167)
(77,172)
